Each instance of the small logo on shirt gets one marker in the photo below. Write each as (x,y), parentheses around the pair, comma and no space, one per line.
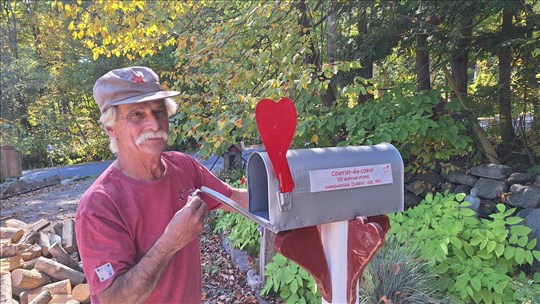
(104,272)
(184,194)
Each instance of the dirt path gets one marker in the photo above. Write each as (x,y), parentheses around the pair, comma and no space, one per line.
(223,282)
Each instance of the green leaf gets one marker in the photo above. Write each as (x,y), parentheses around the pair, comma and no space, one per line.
(514,220)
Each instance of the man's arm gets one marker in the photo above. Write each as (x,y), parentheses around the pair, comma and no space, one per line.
(136,285)
(240,196)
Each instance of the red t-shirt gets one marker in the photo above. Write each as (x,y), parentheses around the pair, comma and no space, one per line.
(119,218)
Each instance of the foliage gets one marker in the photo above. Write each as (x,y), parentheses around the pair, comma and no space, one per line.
(292,283)
(243,233)
(475,258)
(398,275)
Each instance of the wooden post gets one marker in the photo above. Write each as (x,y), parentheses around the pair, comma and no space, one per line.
(334,238)
(267,251)
(59,271)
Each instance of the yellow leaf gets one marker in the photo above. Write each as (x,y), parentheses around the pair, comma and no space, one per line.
(222,123)
(71,26)
(239,122)
(314,138)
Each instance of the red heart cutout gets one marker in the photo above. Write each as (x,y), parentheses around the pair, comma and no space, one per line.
(365,238)
(304,246)
(276,122)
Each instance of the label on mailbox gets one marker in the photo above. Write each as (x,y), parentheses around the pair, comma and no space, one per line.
(350,177)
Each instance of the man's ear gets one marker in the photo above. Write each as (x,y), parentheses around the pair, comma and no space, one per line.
(110,131)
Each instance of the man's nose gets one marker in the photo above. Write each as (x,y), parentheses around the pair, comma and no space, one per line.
(152,121)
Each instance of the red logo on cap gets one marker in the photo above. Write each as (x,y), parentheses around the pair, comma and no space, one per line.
(138,78)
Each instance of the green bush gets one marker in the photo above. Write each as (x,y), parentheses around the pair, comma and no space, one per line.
(292,283)
(242,232)
(475,259)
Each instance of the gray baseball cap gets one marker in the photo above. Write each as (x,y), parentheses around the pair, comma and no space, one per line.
(128,85)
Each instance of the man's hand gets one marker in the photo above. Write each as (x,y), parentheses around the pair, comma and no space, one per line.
(187,224)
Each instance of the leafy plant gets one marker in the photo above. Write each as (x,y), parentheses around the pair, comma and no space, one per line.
(243,232)
(292,283)
(474,258)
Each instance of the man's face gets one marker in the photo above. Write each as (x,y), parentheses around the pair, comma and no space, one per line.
(141,127)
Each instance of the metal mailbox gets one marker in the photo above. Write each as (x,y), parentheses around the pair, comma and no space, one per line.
(331,185)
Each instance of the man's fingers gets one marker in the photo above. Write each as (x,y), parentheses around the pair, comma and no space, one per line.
(196,202)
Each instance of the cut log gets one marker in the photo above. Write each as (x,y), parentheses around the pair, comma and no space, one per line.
(28,265)
(12,263)
(32,231)
(45,243)
(14,223)
(30,237)
(31,253)
(81,293)
(69,241)
(6,295)
(57,228)
(42,298)
(8,249)
(29,279)
(61,287)
(39,225)
(15,234)
(61,256)
(56,298)
(59,271)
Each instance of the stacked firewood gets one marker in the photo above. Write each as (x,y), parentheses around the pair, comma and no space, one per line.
(40,264)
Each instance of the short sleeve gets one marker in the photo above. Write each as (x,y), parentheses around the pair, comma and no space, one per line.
(208,179)
(104,242)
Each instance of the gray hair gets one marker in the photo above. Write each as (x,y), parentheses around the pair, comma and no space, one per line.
(108,119)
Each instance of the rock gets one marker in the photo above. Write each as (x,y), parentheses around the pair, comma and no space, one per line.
(420,188)
(448,187)
(432,178)
(520,178)
(490,188)
(411,200)
(254,281)
(462,178)
(462,189)
(13,187)
(473,199)
(537,182)
(492,171)
(65,182)
(524,196)
(532,220)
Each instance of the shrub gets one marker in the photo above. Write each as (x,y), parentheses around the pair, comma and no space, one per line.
(475,259)
(292,283)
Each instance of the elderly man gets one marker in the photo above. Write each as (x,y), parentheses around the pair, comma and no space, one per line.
(138,225)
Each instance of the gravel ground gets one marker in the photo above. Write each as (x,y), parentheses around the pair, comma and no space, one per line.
(223,282)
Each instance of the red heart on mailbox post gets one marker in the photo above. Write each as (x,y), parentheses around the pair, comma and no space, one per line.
(276,122)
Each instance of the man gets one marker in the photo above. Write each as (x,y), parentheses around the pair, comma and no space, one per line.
(138,225)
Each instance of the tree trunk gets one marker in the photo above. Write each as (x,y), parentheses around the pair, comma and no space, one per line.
(460,59)
(366,71)
(330,95)
(422,63)
(505,62)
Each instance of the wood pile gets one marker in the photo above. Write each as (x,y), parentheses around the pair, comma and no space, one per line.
(39,264)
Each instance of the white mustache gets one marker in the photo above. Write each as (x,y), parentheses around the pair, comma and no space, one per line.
(151,135)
